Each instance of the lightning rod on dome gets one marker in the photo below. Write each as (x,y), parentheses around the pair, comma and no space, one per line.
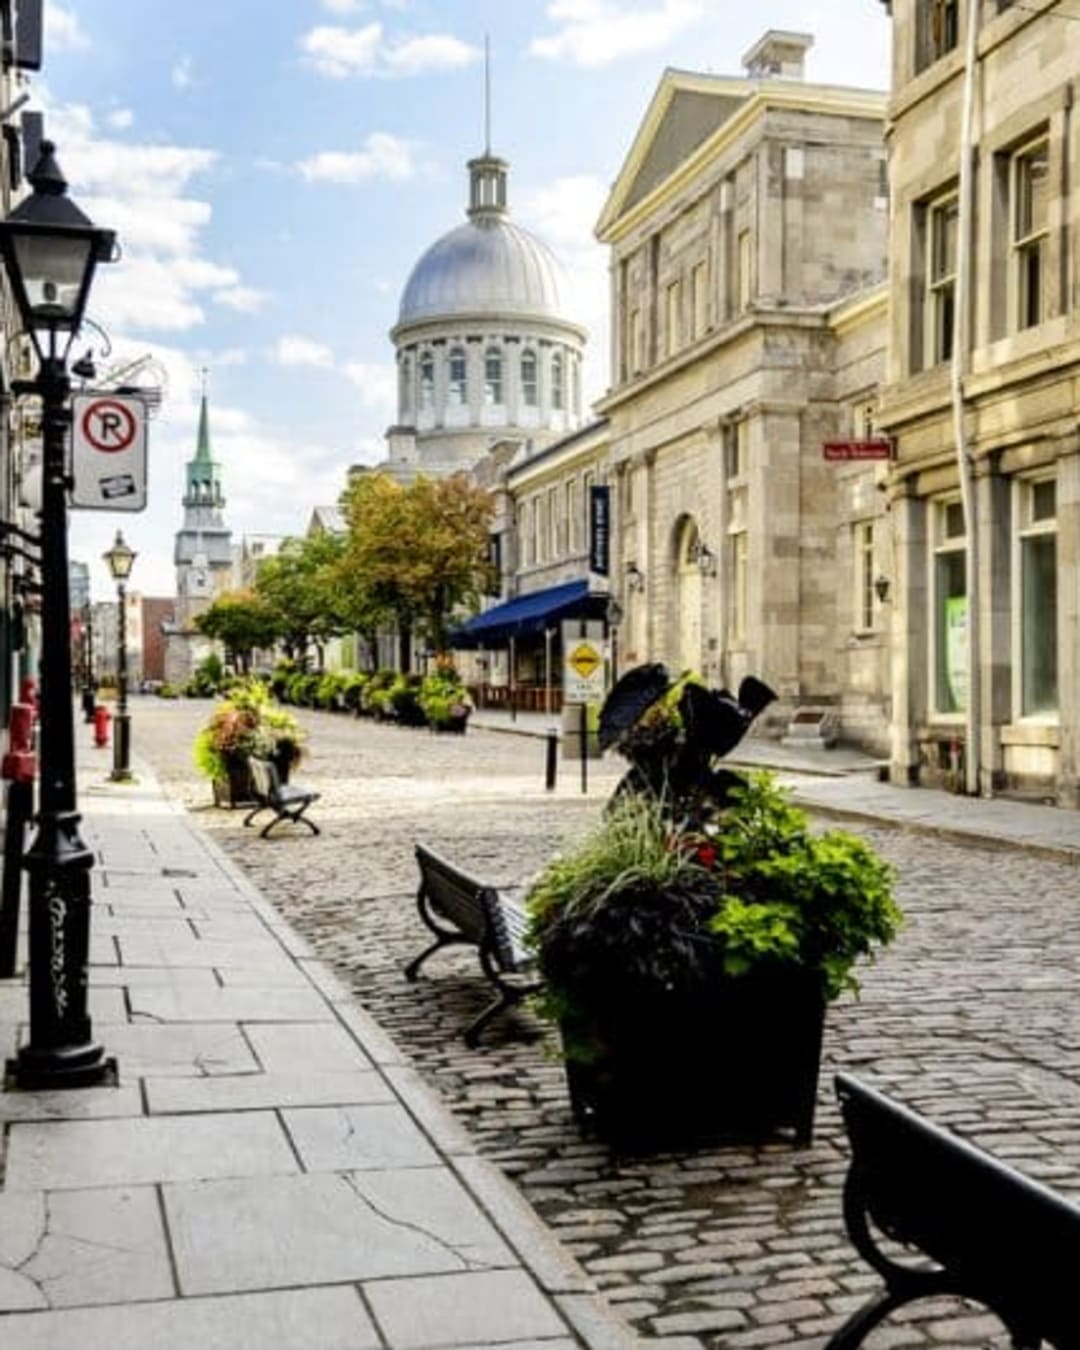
(487,94)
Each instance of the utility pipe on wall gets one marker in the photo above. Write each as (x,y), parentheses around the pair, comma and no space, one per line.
(960,350)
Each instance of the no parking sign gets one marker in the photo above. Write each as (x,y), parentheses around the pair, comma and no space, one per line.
(108,452)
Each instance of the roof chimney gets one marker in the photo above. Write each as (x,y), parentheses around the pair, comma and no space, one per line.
(778,55)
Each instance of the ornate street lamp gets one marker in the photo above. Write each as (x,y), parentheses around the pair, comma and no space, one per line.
(120,559)
(50,250)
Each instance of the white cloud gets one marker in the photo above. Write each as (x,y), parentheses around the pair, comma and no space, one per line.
(62,31)
(120,119)
(231,356)
(344,6)
(302,351)
(384,156)
(377,382)
(339,52)
(181,73)
(244,299)
(597,32)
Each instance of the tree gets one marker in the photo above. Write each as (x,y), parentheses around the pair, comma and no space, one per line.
(417,552)
(299,587)
(243,622)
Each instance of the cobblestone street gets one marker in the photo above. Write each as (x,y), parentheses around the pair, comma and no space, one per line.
(970,1017)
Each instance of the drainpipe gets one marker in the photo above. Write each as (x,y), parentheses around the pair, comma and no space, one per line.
(961,347)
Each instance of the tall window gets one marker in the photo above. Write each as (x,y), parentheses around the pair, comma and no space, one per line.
(942,220)
(427,381)
(735,435)
(1030,230)
(455,391)
(493,376)
(743,263)
(700,298)
(738,571)
(674,317)
(529,395)
(1036,630)
(937,30)
(950,609)
(863,542)
(558,381)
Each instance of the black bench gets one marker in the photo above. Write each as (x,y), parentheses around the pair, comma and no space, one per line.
(995,1236)
(288,801)
(459,909)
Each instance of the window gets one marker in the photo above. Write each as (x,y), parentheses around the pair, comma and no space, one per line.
(950,609)
(528,378)
(427,381)
(941,280)
(937,30)
(1036,629)
(558,384)
(735,435)
(455,392)
(1030,230)
(700,298)
(743,263)
(674,322)
(739,573)
(863,548)
(493,376)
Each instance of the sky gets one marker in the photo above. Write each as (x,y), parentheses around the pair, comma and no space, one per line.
(275,168)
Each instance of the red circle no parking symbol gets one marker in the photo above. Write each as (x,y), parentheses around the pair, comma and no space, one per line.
(109,426)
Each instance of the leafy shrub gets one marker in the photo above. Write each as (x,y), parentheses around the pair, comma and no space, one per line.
(404,699)
(165,690)
(443,697)
(374,698)
(354,689)
(329,690)
(247,723)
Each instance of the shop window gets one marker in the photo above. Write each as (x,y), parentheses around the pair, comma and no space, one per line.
(1030,185)
(1036,630)
(950,609)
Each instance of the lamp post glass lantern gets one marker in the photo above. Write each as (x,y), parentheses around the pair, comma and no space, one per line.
(50,250)
(120,560)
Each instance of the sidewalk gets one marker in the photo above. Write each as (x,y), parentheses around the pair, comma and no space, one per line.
(269,1172)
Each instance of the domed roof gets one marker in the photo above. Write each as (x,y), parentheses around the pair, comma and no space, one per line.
(486,266)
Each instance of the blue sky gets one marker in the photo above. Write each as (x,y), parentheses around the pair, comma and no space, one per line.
(274,168)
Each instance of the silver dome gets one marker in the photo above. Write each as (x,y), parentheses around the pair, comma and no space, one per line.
(486,266)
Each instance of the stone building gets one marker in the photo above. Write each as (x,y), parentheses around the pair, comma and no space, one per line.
(748,232)
(980,396)
(483,344)
(203,558)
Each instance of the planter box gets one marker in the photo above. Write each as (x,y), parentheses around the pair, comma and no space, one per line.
(735,1063)
(454,725)
(235,789)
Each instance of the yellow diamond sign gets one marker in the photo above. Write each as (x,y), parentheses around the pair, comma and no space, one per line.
(585,659)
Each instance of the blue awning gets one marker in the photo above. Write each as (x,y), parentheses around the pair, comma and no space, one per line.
(529,614)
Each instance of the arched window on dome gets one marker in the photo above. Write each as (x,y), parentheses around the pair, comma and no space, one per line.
(493,376)
(458,367)
(405,392)
(427,381)
(558,382)
(529,386)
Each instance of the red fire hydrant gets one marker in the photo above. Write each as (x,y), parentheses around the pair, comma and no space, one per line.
(102,718)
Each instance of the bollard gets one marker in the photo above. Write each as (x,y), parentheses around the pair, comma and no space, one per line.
(552,762)
(18,767)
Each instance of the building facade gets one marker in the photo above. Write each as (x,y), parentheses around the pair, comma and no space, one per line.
(984,353)
(203,558)
(748,235)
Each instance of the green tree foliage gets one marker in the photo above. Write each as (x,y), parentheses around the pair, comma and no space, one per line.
(299,587)
(416,553)
(243,622)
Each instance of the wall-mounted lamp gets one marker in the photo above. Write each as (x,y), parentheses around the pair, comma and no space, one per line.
(706,560)
(881,588)
(635,577)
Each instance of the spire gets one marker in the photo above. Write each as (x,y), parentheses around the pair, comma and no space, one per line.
(203,454)
(487,173)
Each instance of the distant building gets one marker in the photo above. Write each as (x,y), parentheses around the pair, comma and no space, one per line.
(157,614)
(203,558)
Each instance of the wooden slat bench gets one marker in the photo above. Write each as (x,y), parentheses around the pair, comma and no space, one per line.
(288,801)
(994,1235)
(458,908)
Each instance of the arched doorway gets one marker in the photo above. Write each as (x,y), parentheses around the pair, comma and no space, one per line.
(688,596)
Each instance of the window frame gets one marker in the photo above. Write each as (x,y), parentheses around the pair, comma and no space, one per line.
(493,383)
(530,382)
(1028,527)
(864,550)
(1030,247)
(939,294)
(426,380)
(944,544)
(457,390)
(558,382)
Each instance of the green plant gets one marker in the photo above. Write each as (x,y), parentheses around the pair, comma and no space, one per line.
(443,697)
(403,697)
(374,699)
(354,690)
(329,690)
(166,690)
(247,723)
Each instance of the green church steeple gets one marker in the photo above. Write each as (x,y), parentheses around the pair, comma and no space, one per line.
(203,473)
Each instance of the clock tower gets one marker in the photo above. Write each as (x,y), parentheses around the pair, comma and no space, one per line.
(202,554)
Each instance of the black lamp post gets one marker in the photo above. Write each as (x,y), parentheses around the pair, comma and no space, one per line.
(120,559)
(50,250)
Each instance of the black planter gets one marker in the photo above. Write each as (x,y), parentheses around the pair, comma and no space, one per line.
(235,788)
(737,1062)
(455,724)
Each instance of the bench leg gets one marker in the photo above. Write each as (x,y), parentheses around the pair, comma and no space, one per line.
(507,998)
(443,940)
(860,1324)
(259,806)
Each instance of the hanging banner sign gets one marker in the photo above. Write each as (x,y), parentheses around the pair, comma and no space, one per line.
(108,452)
(599,531)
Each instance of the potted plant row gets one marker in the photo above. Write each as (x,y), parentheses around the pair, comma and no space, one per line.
(689,946)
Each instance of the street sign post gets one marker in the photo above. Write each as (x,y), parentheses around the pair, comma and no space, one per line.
(583,677)
(108,452)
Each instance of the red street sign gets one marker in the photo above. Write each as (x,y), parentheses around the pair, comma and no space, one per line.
(843,450)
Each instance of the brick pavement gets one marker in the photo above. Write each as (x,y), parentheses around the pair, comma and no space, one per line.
(969,1017)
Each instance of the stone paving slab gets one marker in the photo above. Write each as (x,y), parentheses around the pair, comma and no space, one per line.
(246,1092)
(461,1310)
(192,1051)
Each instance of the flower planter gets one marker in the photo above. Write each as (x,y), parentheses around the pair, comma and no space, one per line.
(455,724)
(235,788)
(737,1062)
